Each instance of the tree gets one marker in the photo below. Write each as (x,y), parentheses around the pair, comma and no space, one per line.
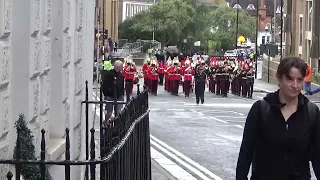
(127,32)
(224,23)
(27,151)
(167,18)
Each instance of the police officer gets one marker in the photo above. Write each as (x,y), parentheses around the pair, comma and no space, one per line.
(200,77)
(107,65)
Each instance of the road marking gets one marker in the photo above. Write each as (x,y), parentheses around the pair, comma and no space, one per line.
(232,117)
(239,126)
(170,166)
(155,109)
(178,160)
(214,118)
(232,138)
(221,105)
(201,168)
(175,109)
(260,97)
(200,113)
(262,89)
(222,112)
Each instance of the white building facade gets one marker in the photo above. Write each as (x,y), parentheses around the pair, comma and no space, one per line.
(264,37)
(130,8)
(46,52)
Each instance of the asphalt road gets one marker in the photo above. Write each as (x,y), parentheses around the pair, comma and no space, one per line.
(209,134)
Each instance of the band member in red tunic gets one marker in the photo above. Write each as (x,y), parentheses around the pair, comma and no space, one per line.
(153,77)
(167,75)
(175,77)
(129,73)
(188,78)
(145,68)
(161,72)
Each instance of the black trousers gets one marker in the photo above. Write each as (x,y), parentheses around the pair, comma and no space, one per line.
(154,87)
(161,79)
(129,86)
(199,90)
(187,88)
(244,87)
(250,82)
(175,88)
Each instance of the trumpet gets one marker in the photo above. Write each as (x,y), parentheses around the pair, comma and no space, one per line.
(154,70)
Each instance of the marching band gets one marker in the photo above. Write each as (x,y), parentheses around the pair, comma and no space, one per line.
(219,74)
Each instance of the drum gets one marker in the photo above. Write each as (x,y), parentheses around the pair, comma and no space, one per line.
(136,80)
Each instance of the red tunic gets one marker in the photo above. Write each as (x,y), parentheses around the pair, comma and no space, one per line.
(188,73)
(174,73)
(129,72)
(145,68)
(153,74)
(160,68)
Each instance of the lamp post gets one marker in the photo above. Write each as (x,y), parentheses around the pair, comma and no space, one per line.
(237,28)
(103,30)
(154,1)
(185,46)
(257,31)
(281,28)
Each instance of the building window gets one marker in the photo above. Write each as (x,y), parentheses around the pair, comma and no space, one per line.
(263,40)
(309,13)
(128,10)
(237,6)
(251,7)
(308,51)
(268,39)
(300,29)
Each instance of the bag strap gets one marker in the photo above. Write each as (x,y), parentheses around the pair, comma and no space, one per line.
(265,107)
(312,109)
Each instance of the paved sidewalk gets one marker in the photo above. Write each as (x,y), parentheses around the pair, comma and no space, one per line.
(263,86)
(159,173)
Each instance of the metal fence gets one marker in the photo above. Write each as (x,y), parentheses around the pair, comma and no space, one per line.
(124,145)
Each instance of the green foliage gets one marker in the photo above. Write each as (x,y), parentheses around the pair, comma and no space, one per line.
(127,32)
(224,23)
(27,149)
(175,20)
(168,19)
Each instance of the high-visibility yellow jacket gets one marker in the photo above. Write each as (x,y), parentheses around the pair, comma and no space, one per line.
(107,65)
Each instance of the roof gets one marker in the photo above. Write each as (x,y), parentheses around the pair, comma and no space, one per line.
(248,4)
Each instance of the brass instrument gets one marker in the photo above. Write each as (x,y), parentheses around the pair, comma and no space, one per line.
(154,70)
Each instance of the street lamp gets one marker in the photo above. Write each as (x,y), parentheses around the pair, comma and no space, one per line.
(257,31)
(185,46)
(237,30)
(281,28)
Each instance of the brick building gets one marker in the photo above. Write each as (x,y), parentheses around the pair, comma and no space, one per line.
(301,30)
(266,13)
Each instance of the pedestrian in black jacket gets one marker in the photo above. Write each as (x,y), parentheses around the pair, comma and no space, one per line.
(113,87)
(282,132)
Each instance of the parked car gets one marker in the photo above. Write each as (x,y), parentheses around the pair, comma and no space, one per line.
(230,53)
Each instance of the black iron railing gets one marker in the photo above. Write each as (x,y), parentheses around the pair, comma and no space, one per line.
(124,145)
